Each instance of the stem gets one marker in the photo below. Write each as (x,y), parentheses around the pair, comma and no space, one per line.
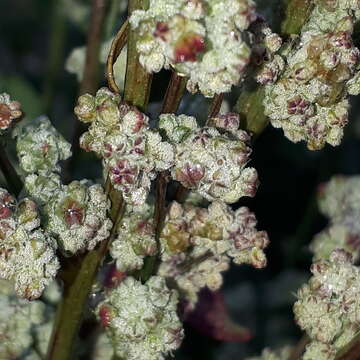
(79,272)
(250,103)
(12,178)
(56,52)
(215,105)
(351,351)
(171,104)
(90,79)
(115,50)
(137,80)
(299,348)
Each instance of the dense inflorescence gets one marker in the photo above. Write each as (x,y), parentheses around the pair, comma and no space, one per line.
(40,147)
(136,239)
(198,244)
(339,200)
(328,306)
(121,136)
(200,39)
(25,326)
(27,253)
(75,214)
(309,100)
(141,320)
(211,160)
(9,111)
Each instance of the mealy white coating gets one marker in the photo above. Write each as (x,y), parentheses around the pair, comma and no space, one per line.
(201,39)
(77,216)
(141,320)
(211,160)
(198,244)
(27,253)
(328,306)
(121,136)
(309,101)
(40,147)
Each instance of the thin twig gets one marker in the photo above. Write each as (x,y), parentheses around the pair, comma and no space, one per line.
(171,104)
(299,348)
(90,78)
(11,176)
(215,105)
(116,46)
(351,351)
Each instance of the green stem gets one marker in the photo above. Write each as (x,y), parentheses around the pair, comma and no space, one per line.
(137,80)
(79,272)
(250,103)
(215,105)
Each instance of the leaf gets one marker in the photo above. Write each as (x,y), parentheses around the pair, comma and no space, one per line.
(211,318)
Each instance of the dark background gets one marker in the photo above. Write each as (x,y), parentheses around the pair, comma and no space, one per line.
(36,37)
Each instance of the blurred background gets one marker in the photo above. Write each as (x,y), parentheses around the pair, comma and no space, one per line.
(41,58)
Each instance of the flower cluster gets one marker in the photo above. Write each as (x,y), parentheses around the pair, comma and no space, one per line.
(211,160)
(40,147)
(200,39)
(309,100)
(339,200)
(27,254)
(22,326)
(120,135)
(136,239)
(266,44)
(198,243)
(77,216)
(74,214)
(9,111)
(141,320)
(267,354)
(328,306)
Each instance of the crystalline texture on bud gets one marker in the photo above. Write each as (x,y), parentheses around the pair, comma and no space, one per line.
(9,111)
(77,216)
(309,100)
(327,307)
(209,160)
(40,147)
(121,136)
(141,320)
(339,200)
(199,39)
(27,254)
